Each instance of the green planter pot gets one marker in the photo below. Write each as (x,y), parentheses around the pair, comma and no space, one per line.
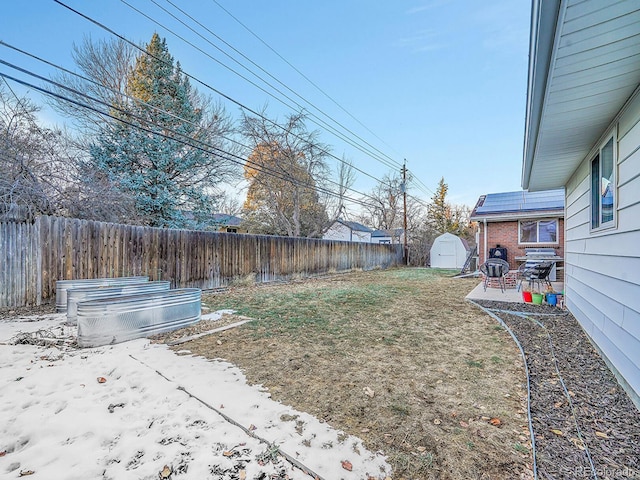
(537,298)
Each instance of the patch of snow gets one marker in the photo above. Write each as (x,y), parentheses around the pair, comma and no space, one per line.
(155,408)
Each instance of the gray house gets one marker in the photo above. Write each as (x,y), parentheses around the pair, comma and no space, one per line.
(582,133)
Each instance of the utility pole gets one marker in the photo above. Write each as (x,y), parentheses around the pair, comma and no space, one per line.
(404,199)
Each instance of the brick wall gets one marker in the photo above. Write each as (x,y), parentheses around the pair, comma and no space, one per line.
(505,234)
(510,281)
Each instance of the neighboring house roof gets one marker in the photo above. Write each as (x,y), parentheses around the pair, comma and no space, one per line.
(355,226)
(521,204)
(583,68)
(225,219)
(396,232)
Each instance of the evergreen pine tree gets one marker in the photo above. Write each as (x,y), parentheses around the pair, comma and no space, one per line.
(439,212)
(167,177)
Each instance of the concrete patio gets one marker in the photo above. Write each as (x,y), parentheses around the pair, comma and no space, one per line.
(509,295)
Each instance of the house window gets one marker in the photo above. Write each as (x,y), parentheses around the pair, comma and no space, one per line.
(232,230)
(603,187)
(538,231)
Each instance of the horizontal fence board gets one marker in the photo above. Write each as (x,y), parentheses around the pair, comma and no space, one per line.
(34,256)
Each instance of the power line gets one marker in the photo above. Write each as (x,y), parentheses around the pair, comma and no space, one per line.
(421,186)
(225,155)
(375,156)
(299,72)
(140,102)
(201,82)
(98,84)
(318,121)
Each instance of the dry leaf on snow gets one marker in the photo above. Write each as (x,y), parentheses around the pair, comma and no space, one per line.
(346,464)
(25,473)
(166,472)
(101,379)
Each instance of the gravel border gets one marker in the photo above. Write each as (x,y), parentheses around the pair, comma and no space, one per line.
(585,424)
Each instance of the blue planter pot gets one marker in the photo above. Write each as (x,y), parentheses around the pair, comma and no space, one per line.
(552,299)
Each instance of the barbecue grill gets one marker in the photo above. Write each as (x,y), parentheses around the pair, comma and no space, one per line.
(534,256)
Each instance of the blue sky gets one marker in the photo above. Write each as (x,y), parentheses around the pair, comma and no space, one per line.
(441,83)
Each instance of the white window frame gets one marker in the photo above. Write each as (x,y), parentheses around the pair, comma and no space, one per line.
(538,220)
(613,222)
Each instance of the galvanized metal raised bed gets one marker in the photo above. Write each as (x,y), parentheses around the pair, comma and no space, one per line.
(77,295)
(63,285)
(114,320)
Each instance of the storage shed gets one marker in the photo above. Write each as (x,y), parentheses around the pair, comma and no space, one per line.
(449,251)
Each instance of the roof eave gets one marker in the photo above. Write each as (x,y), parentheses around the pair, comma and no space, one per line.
(505,217)
(544,19)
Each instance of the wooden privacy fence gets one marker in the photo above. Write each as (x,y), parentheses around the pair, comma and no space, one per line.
(34,256)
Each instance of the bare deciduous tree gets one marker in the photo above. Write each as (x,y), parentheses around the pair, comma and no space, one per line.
(284,169)
(33,178)
(105,66)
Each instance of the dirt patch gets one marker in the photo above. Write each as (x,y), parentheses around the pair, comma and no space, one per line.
(395,357)
(13,312)
(202,327)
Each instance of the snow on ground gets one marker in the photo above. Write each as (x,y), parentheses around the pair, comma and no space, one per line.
(155,408)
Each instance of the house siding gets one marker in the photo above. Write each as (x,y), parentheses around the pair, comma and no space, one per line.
(603,268)
(364,237)
(338,231)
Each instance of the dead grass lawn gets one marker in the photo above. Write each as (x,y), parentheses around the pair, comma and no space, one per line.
(435,368)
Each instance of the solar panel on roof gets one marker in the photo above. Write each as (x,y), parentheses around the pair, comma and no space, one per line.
(522,201)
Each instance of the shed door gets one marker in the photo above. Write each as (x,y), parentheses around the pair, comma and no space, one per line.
(447,254)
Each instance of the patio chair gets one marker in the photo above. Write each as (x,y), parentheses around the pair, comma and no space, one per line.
(535,273)
(495,268)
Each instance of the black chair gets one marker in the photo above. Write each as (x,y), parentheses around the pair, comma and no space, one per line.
(535,273)
(495,268)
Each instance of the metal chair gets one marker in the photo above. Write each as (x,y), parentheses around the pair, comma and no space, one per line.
(535,273)
(495,268)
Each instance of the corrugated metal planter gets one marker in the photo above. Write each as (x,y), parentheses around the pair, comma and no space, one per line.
(76,295)
(63,285)
(114,320)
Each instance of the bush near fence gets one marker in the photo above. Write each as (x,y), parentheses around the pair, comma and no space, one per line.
(33,256)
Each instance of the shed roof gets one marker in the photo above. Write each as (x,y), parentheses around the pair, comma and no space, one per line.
(519,203)
(448,236)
